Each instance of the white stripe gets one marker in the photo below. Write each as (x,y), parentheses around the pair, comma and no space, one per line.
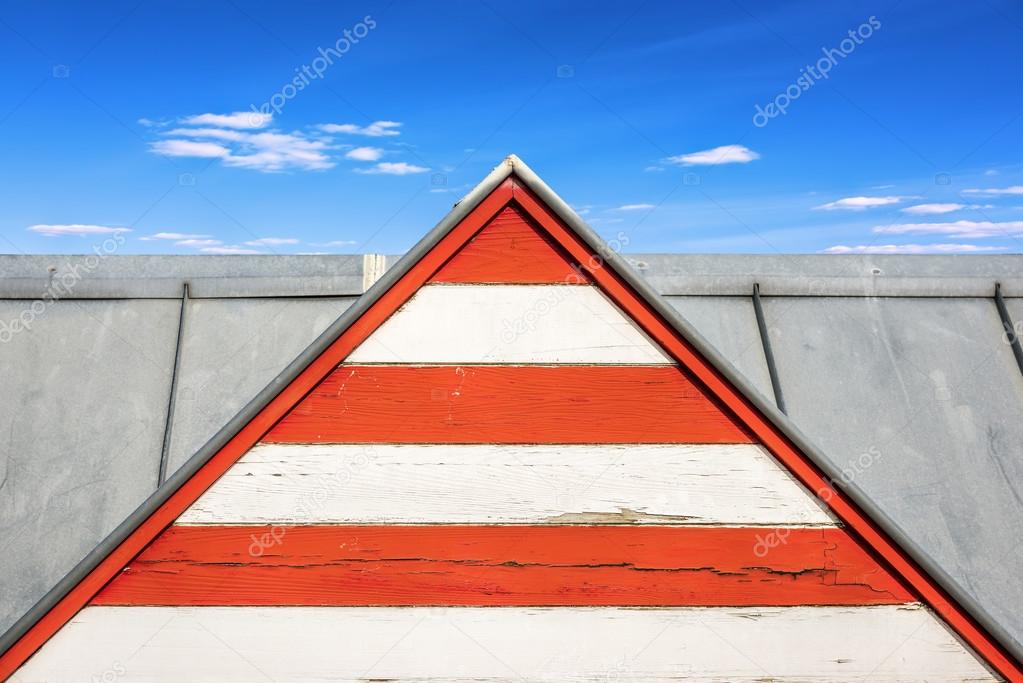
(508,324)
(736,484)
(904,643)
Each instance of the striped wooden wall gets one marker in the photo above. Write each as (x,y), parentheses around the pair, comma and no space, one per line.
(507,481)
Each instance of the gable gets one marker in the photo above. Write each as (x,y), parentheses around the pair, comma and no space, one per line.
(562,472)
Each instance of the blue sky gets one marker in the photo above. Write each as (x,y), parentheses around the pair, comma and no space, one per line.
(143,120)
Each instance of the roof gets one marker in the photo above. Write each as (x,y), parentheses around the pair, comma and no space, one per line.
(906,365)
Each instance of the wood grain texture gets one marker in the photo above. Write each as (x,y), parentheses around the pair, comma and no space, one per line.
(887,644)
(510,250)
(730,484)
(501,566)
(506,404)
(508,324)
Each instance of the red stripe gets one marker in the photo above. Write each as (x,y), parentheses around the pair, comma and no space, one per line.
(510,250)
(503,566)
(507,404)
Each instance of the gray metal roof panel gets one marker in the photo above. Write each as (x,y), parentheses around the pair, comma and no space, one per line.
(230,350)
(921,404)
(83,400)
(831,274)
(729,324)
(162,277)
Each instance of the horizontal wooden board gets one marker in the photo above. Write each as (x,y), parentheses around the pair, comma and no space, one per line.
(820,644)
(508,324)
(737,484)
(499,566)
(510,249)
(507,404)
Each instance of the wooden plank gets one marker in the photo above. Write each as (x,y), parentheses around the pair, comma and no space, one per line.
(736,484)
(501,566)
(748,645)
(506,404)
(510,250)
(508,324)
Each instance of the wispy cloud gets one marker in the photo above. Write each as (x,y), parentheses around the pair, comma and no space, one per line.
(376,129)
(726,154)
(271,241)
(365,153)
(78,229)
(962,229)
(860,203)
(633,207)
(197,243)
(334,243)
(393,168)
(173,236)
(189,148)
(911,249)
(996,191)
(942,208)
(229,249)
(248,140)
(239,119)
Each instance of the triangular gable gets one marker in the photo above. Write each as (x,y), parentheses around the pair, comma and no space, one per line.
(629,377)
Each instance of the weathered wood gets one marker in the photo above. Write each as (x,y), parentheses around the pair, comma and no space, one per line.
(510,250)
(508,324)
(737,484)
(500,566)
(747,645)
(507,404)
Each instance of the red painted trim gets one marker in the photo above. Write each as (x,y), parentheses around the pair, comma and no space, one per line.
(497,566)
(507,404)
(510,250)
(633,305)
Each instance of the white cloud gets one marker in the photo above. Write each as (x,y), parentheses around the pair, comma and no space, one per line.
(393,168)
(335,243)
(271,241)
(911,249)
(963,229)
(726,154)
(239,119)
(991,171)
(189,148)
(218,133)
(246,140)
(51,230)
(634,207)
(996,191)
(860,203)
(365,153)
(374,130)
(231,249)
(933,208)
(197,243)
(943,208)
(173,236)
(269,152)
